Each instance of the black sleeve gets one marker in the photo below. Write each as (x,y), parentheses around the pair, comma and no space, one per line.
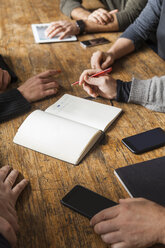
(123,91)
(12,103)
(3,242)
(4,66)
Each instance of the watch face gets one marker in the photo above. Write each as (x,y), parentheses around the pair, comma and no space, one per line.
(81,25)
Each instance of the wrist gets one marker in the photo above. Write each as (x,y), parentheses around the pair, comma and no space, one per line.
(80,25)
(111,53)
(113,90)
(23,94)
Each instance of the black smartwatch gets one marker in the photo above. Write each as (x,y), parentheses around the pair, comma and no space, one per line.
(81,25)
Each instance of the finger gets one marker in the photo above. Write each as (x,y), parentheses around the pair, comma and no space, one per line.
(93,19)
(56,31)
(105,17)
(11,178)
(49,80)
(50,92)
(6,79)
(119,245)
(128,200)
(114,11)
(18,189)
(4,171)
(86,74)
(106,63)
(93,81)
(111,238)
(7,232)
(105,214)
(1,78)
(67,32)
(96,60)
(106,226)
(48,73)
(51,28)
(51,85)
(92,92)
(99,19)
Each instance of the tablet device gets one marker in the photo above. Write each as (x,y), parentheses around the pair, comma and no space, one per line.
(39,34)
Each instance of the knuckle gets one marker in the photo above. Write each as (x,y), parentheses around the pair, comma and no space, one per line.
(96,229)
(49,71)
(105,238)
(19,187)
(7,228)
(41,87)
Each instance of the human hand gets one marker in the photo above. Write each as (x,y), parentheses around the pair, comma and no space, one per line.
(134,223)
(10,194)
(101,60)
(5,79)
(63,28)
(40,86)
(104,86)
(101,16)
(7,232)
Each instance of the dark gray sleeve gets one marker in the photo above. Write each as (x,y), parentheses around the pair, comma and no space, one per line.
(131,11)
(145,24)
(66,6)
(12,104)
(3,242)
(150,93)
(4,66)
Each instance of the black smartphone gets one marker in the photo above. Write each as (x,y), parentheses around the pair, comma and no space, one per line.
(94,42)
(145,141)
(86,202)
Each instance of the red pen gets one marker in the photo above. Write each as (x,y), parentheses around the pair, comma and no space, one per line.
(97,74)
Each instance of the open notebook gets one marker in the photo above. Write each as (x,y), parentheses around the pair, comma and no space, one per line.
(68,129)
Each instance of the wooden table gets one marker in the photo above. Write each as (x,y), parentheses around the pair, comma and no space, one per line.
(44,222)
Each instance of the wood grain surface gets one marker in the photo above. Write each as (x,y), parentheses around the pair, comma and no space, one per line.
(44,222)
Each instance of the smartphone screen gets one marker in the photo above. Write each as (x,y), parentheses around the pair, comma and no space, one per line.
(86,202)
(94,42)
(145,141)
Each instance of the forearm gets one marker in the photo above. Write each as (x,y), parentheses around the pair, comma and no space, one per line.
(121,48)
(80,13)
(149,93)
(91,27)
(12,104)
(4,66)
(67,6)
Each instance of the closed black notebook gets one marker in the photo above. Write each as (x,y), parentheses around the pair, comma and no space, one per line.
(146,179)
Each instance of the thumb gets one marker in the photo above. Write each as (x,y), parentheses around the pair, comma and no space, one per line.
(7,232)
(107,63)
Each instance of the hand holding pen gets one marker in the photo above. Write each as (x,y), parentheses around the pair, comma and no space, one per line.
(101,85)
(99,73)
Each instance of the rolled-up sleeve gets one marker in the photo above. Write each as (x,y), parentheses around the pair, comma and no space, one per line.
(150,93)
(145,24)
(66,6)
(131,11)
